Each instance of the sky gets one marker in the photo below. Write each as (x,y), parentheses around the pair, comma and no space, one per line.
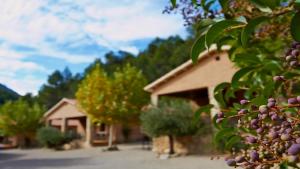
(40,36)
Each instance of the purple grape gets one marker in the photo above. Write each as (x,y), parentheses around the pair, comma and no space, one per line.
(295,52)
(274,117)
(271,104)
(254,122)
(273,135)
(251,139)
(239,159)
(259,130)
(231,162)
(254,155)
(271,100)
(292,101)
(278,78)
(288,130)
(219,120)
(220,115)
(294,149)
(243,102)
(242,111)
(298,140)
(294,63)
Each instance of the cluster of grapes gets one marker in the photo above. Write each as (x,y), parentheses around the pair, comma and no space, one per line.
(273,137)
(292,55)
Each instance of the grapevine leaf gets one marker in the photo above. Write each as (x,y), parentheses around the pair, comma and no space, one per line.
(238,75)
(218,28)
(173,3)
(197,47)
(250,28)
(295,27)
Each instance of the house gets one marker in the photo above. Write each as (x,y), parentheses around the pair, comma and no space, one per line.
(195,82)
(67,117)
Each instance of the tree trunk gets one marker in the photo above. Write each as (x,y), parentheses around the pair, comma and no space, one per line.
(171,144)
(110,137)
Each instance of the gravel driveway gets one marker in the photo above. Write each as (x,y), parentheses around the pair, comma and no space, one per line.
(130,157)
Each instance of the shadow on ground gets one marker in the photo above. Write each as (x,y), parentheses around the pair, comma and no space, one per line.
(41,163)
(9,156)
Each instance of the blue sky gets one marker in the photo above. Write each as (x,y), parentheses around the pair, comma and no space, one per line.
(40,36)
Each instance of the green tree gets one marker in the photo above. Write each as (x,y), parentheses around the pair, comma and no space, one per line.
(21,119)
(59,85)
(112,100)
(172,118)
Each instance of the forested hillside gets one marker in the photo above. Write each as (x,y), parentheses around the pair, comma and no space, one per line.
(7,94)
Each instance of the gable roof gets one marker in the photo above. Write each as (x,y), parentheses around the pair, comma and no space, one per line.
(60,103)
(183,67)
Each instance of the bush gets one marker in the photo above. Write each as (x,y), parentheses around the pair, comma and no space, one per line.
(172,118)
(50,137)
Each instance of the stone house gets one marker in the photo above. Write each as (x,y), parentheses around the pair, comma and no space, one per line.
(67,117)
(195,82)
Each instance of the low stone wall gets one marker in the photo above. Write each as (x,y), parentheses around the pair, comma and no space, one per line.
(184,145)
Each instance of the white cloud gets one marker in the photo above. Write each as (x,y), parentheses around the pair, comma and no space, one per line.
(22,85)
(131,49)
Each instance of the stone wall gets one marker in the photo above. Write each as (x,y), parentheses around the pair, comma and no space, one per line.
(184,145)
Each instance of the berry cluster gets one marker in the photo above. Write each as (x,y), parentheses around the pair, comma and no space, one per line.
(292,55)
(275,135)
(270,133)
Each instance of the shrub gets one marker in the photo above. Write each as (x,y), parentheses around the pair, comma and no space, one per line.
(50,137)
(171,118)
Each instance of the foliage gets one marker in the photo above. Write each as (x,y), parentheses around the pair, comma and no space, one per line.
(59,85)
(258,33)
(128,94)
(159,57)
(172,117)
(112,99)
(7,94)
(20,118)
(94,95)
(51,137)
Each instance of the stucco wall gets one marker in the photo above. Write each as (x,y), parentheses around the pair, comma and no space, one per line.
(209,72)
(66,110)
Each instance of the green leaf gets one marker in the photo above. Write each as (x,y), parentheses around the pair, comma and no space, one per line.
(202,109)
(239,74)
(261,5)
(247,58)
(223,134)
(197,47)
(173,3)
(224,4)
(221,86)
(218,28)
(250,28)
(297,4)
(194,2)
(295,27)
(232,142)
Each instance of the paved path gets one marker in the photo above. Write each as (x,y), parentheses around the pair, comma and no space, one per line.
(130,157)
